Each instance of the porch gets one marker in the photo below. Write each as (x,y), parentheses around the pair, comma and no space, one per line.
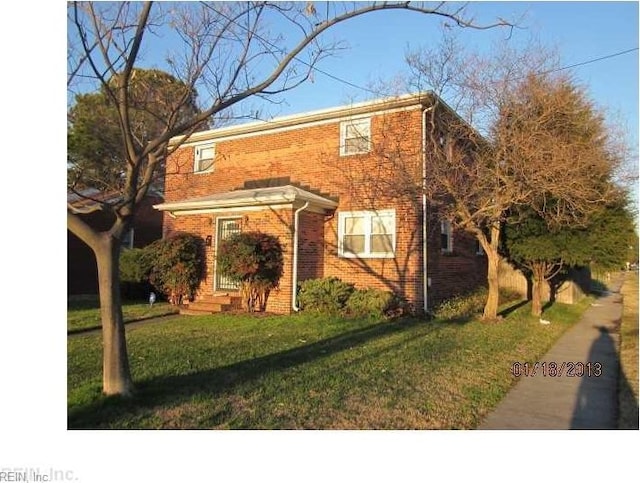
(294,215)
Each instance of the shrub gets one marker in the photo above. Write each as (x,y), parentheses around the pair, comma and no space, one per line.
(176,264)
(133,265)
(255,260)
(374,302)
(509,295)
(134,274)
(326,295)
(462,306)
(470,304)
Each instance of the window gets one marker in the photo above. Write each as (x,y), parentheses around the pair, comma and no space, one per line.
(127,239)
(446,237)
(479,249)
(367,234)
(355,137)
(205,153)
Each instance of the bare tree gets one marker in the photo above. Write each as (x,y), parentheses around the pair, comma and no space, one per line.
(515,135)
(227,55)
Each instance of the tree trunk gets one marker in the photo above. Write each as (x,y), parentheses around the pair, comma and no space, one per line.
(493,281)
(539,270)
(116,377)
(493,298)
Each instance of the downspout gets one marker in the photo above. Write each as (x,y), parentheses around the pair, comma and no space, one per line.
(294,273)
(425,278)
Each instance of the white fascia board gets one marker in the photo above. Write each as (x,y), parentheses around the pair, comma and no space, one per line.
(297,121)
(258,198)
(238,209)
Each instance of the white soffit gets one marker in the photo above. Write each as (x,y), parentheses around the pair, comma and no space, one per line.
(256,197)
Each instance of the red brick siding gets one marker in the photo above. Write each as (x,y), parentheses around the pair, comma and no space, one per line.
(401,274)
(454,273)
(310,246)
(310,156)
(277,222)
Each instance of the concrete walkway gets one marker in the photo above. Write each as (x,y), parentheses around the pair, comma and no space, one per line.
(129,325)
(562,402)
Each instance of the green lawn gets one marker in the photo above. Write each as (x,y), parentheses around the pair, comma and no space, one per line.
(86,314)
(303,371)
(628,394)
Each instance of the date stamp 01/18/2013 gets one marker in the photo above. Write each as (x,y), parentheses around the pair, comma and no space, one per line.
(556,369)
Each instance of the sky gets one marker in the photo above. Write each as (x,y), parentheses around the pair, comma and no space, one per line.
(597,42)
(581,32)
(33,342)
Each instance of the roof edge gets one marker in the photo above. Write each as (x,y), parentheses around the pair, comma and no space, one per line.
(420,98)
(255,197)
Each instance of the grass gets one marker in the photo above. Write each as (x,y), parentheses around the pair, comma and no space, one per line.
(83,315)
(628,387)
(303,371)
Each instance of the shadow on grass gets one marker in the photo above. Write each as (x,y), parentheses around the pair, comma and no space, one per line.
(134,322)
(171,390)
(512,308)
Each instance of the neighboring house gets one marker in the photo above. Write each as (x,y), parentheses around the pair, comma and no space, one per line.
(338,187)
(82,271)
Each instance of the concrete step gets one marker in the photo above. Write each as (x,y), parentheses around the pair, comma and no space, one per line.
(212,304)
(208,306)
(187,311)
(218,299)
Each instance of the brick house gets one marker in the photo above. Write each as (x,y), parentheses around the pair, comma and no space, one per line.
(337,186)
(82,271)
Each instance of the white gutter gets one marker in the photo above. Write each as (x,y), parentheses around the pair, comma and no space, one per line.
(425,254)
(294,273)
(333,113)
(249,198)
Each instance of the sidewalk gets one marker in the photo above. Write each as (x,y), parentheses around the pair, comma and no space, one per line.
(562,402)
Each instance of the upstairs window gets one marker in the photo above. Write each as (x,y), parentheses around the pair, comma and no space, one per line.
(355,137)
(446,237)
(204,156)
(367,234)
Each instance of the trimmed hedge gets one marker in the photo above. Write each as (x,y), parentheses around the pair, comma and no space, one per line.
(256,261)
(325,295)
(470,304)
(374,302)
(332,295)
(176,265)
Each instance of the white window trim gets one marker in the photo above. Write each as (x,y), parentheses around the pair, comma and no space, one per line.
(479,249)
(447,229)
(343,135)
(369,214)
(197,159)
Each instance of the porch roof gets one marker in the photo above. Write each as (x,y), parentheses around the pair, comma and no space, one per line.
(257,197)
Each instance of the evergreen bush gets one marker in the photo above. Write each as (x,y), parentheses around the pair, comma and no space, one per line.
(374,302)
(255,260)
(176,265)
(325,295)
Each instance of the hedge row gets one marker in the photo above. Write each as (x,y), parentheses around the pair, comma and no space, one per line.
(333,296)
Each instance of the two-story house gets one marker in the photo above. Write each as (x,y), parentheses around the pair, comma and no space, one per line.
(340,187)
